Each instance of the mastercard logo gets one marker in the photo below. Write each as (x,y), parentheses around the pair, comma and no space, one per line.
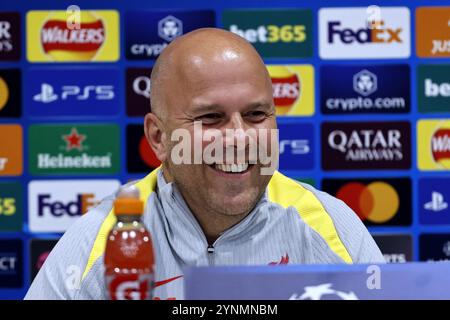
(440,147)
(377,202)
(147,154)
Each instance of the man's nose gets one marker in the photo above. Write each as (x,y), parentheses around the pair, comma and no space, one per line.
(235,131)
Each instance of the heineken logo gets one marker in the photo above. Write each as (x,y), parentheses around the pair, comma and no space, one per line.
(74,149)
(74,140)
(46,160)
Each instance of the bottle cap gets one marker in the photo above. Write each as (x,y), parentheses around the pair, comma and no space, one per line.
(128,202)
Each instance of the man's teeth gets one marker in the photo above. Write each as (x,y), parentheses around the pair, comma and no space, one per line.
(235,168)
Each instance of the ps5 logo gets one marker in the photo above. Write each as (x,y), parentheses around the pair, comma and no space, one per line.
(297,147)
(99,92)
(169,28)
(437,202)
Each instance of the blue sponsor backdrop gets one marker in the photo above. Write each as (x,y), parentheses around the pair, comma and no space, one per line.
(335,84)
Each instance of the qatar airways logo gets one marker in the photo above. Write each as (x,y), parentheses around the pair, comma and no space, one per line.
(366,145)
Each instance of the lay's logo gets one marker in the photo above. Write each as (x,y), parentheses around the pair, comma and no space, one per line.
(440,145)
(434,144)
(60,36)
(293,89)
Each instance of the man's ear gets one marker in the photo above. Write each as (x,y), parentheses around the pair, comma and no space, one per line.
(155,136)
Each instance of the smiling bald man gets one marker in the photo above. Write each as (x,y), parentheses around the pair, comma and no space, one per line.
(225,212)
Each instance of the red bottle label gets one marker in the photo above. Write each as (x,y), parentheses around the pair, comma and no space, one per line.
(129,286)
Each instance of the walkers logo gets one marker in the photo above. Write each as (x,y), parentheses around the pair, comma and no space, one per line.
(433,149)
(140,156)
(433,83)
(138,91)
(433,32)
(147,33)
(39,251)
(11,263)
(366,32)
(434,247)
(366,145)
(296,146)
(11,206)
(365,89)
(10,36)
(434,198)
(274,33)
(54,205)
(74,149)
(62,92)
(11,153)
(10,96)
(377,202)
(396,248)
(60,36)
(293,89)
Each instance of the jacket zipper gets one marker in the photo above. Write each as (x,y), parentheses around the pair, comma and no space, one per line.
(210,255)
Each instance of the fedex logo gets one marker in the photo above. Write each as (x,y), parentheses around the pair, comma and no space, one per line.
(75,208)
(368,32)
(378,33)
(54,205)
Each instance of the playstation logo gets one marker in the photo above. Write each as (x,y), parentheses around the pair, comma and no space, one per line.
(365,82)
(169,28)
(46,95)
(437,202)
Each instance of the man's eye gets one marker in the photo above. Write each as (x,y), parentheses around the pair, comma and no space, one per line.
(256,115)
(209,118)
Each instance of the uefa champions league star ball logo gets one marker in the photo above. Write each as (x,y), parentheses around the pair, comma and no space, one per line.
(169,28)
(365,82)
(446,248)
(324,292)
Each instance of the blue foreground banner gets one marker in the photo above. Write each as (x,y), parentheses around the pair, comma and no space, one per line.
(321,282)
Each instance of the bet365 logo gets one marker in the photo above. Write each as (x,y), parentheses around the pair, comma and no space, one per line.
(11,206)
(7,206)
(274,33)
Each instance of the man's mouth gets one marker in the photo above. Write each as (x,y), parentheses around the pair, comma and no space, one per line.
(232,168)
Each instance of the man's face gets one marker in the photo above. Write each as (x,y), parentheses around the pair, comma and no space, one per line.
(230,95)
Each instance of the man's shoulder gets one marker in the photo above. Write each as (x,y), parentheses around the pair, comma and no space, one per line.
(331,218)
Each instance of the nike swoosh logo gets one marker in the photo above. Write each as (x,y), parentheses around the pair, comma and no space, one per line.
(163,282)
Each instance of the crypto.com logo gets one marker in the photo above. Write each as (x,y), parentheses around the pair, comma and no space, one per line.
(169,28)
(242,148)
